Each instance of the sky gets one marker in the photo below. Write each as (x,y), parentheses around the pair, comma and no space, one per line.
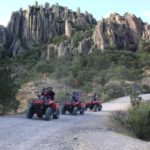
(98,8)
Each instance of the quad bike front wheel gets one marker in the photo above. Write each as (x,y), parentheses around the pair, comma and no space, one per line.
(75,111)
(30,112)
(48,114)
(95,108)
(82,110)
(63,110)
(56,114)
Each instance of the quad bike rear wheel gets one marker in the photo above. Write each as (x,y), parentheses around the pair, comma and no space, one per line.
(48,114)
(99,108)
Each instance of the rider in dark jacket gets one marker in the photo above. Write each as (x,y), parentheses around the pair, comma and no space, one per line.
(51,93)
(94,97)
(75,97)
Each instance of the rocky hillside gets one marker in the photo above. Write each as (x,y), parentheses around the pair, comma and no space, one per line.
(65,31)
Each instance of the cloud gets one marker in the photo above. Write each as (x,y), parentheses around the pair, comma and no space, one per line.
(146,14)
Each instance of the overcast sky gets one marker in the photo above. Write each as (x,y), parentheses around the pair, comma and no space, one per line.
(99,8)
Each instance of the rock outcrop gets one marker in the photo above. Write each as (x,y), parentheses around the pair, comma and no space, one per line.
(42,25)
(38,24)
(120,32)
(85,46)
(67,29)
(3,36)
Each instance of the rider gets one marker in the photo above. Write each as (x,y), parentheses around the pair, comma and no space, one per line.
(44,92)
(50,93)
(94,97)
(43,95)
(75,96)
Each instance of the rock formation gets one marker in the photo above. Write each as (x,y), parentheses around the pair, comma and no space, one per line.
(67,29)
(3,36)
(120,32)
(39,25)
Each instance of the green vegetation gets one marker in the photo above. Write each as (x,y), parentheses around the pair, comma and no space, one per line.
(58,39)
(103,72)
(108,73)
(138,119)
(8,90)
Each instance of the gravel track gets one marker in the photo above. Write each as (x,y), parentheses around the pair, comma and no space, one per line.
(91,131)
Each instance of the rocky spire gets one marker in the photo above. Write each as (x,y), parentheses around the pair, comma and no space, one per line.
(56,10)
(3,36)
(66,12)
(78,12)
(36,4)
(67,29)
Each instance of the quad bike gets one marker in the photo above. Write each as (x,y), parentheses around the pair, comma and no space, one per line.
(94,105)
(44,108)
(73,108)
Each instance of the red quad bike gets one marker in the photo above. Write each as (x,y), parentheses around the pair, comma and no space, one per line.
(73,108)
(47,108)
(94,105)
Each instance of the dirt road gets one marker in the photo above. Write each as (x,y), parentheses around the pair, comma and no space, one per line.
(84,132)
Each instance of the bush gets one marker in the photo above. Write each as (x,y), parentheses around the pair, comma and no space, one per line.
(146,89)
(8,90)
(47,68)
(58,39)
(138,119)
(114,90)
(62,96)
(105,97)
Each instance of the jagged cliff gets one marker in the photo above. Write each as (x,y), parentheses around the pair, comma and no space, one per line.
(39,25)
(121,32)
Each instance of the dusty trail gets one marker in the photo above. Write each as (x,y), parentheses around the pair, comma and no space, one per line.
(83,132)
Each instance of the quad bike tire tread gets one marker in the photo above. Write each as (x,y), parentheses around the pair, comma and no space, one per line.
(30,112)
(75,111)
(48,114)
(56,115)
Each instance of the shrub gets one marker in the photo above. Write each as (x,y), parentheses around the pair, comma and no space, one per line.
(48,68)
(58,39)
(76,38)
(114,90)
(62,96)
(146,89)
(134,92)
(138,119)
(105,97)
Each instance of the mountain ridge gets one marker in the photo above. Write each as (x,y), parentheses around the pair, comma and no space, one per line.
(79,32)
